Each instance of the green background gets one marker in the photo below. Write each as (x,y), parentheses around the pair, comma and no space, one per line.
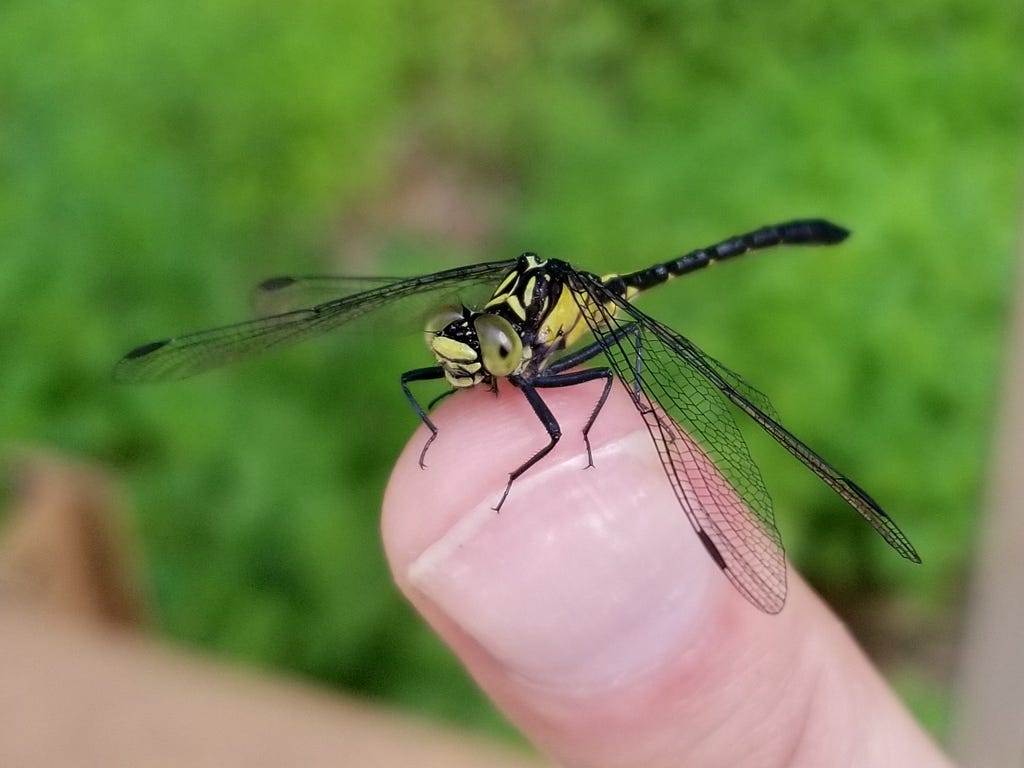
(158,159)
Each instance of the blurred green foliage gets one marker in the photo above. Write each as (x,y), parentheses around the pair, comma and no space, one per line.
(157,159)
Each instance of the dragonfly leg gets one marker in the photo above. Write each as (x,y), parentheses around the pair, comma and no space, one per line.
(439,398)
(549,380)
(550,425)
(555,375)
(422,374)
(604,345)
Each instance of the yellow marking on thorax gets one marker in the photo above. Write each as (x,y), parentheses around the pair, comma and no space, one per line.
(503,286)
(510,293)
(531,286)
(509,300)
(563,321)
(513,303)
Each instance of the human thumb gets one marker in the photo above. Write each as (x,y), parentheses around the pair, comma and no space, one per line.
(591,614)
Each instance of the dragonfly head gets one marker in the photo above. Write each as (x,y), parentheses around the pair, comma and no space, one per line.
(473,347)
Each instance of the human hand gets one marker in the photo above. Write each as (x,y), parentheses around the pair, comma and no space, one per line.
(590,613)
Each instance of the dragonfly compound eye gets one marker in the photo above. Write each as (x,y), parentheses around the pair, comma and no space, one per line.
(500,346)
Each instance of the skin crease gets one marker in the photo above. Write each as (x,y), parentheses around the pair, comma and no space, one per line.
(603,632)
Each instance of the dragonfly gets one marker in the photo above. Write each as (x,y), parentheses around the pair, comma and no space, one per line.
(539,324)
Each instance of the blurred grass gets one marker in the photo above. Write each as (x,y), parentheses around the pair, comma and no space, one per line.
(158,159)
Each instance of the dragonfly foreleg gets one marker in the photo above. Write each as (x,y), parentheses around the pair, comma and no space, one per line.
(422,374)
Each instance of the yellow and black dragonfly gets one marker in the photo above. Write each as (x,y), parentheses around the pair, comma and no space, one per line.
(528,332)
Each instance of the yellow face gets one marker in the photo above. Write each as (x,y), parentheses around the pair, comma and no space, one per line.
(462,366)
(475,349)
(451,338)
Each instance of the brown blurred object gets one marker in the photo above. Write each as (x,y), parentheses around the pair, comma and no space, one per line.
(83,686)
(429,196)
(989,730)
(65,545)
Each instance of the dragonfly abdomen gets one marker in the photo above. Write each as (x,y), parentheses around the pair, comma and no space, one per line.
(801,232)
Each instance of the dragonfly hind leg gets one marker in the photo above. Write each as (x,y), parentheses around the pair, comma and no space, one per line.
(549,380)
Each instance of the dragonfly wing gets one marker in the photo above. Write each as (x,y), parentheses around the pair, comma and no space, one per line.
(668,343)
(182,356)
(740,534)
(400,299)
(734,388)
(702,451)
(289,293)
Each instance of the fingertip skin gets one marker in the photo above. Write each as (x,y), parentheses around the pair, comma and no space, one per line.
(605,633)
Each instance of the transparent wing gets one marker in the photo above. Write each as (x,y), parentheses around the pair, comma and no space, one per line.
(290,293)
(280,295)
(684,397)
(401,302)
